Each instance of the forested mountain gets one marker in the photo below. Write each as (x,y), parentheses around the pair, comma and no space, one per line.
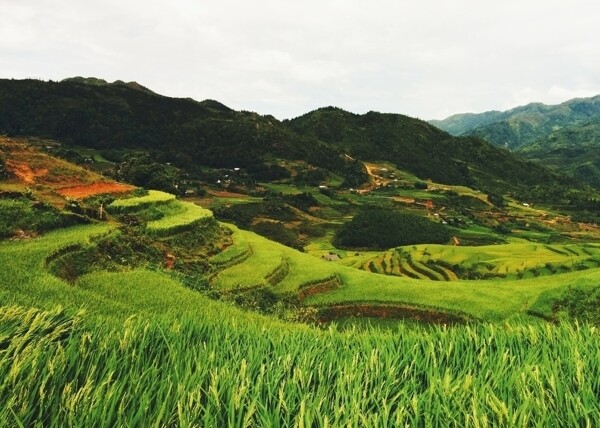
(574,150)
(564,136)
(421,148)
(522,125)
(127,116)
(90,113)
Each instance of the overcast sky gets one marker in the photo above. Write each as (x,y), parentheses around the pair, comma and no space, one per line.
(425,58)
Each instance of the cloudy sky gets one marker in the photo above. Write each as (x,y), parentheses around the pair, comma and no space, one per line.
(426,58)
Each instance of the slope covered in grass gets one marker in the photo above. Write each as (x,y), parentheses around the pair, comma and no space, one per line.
(146,350)
(495,299)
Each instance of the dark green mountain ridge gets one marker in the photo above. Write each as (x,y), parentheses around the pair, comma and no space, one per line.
(418,147)
(92,113)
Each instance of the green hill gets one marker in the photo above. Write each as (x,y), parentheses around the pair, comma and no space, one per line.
(124,117)
(522,125)
(462,123)
(565,137)
(422,149)
(574,150)
(120,117)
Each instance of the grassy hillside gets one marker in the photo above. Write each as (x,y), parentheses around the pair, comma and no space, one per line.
(112,323)
(147,350)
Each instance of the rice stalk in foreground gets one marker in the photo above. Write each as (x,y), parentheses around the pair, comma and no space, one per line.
(58,369)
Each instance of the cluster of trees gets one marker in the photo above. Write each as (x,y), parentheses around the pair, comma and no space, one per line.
(142,170)
(585,209)
(384,228)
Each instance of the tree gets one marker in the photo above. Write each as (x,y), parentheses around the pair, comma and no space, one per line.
(141,170)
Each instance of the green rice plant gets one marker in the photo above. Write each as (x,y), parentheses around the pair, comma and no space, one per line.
(183,218)
(423,270)
(407,269)
(387,262)
(395,270)
(376,265)
(253,271)
(153,197)
(136,348)
(238,251)
(512,261)
(279,273)
(60,368)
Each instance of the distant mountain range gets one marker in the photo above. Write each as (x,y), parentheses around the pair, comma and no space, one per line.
(564,136)
(93,113)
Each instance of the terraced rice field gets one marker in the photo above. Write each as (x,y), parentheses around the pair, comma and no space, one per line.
(512,261)
(182,217)
(132,204)
(173,215)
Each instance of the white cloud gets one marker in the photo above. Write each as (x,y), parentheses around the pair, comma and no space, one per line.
(428,59)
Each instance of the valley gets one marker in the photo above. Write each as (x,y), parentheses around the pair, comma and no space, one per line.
(276,286)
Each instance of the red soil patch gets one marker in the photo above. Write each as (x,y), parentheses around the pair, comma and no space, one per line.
(318,288)
(169,261)
(24,171)
(87,190)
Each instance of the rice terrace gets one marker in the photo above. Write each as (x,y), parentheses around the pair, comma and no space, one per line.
(274,287)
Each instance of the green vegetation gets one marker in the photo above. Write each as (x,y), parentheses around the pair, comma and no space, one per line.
(565,137)
(138,320)
(131,204)
(522,125)
(208,368)
(581,302)
(331,142)
(417,147)
(188,134)
(378,228)
(144,171)
(574,150)
(22,215)
(149,351)
(185,215)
